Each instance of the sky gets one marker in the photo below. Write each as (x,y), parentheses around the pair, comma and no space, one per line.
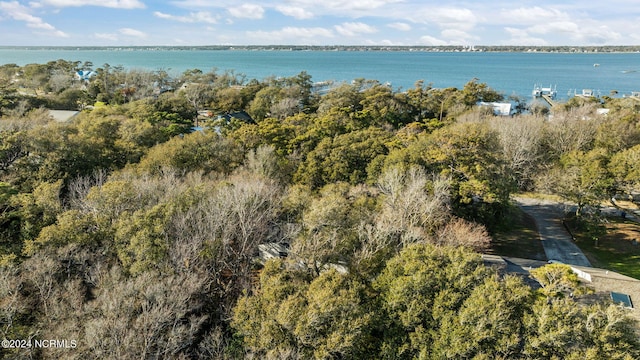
(318,22)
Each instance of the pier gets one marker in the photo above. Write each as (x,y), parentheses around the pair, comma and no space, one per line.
(549,100)
(547,93)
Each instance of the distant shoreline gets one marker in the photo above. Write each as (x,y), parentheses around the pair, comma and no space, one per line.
(475,48)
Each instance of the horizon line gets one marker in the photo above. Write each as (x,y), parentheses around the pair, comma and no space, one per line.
(472,46)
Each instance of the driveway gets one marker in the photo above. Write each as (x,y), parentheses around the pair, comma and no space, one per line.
(556,241)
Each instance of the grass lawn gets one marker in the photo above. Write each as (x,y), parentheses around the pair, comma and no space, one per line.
(520,239)
(615,249)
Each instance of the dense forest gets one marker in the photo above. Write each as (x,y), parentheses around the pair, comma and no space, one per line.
(134,229)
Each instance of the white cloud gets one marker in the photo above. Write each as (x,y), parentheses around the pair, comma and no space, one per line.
(117,4)
(454,34)
(387,42)
(106,36)
(457,36)
(431,41)
(122,33)
(338,5)
(528,41)
(18,12)
(596,35)
(532,15)
(194,17)
(353,29)
(629,29)
(556,27)
(291,33)
(522,37)
(635,37)
(451,18)
(295,12)
(400,26)
(368,21)
(247,11)
(190,4)
(560,27)
(516,32)
(355,9)
(132,33)
(359,4)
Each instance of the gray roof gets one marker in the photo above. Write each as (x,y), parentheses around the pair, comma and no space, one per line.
(602,281)
(63,115)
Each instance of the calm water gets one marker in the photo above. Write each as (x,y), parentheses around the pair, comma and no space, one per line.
(509,73)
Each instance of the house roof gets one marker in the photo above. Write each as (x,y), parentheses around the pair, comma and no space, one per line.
(240,115)
(602,281)
(502,109)
(63,115)
(85,74)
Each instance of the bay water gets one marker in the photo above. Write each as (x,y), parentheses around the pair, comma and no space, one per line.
(511,73)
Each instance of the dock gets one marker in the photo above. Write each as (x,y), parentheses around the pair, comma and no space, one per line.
(547,93)
(549,100)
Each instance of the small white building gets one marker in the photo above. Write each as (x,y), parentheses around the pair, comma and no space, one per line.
(63,115)
(500,109)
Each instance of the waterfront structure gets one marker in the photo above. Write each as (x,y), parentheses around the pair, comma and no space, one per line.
(539,91)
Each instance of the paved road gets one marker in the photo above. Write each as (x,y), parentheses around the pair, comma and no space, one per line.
(556,241)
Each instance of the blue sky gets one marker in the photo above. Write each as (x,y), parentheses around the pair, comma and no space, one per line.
(318,22)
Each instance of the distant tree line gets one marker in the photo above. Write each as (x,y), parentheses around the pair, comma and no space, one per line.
(138,235)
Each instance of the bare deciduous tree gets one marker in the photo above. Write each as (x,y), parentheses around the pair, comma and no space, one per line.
(11,303)
(218,235)
(521,142)
(79,188)
(414,205)
(572,130)
(285,107)
(197,95)
(144,317)
(264,162)
(459,232)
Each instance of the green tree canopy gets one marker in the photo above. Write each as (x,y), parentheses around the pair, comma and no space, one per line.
(343,158)
(328,317)
(208,152)
(417,288)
